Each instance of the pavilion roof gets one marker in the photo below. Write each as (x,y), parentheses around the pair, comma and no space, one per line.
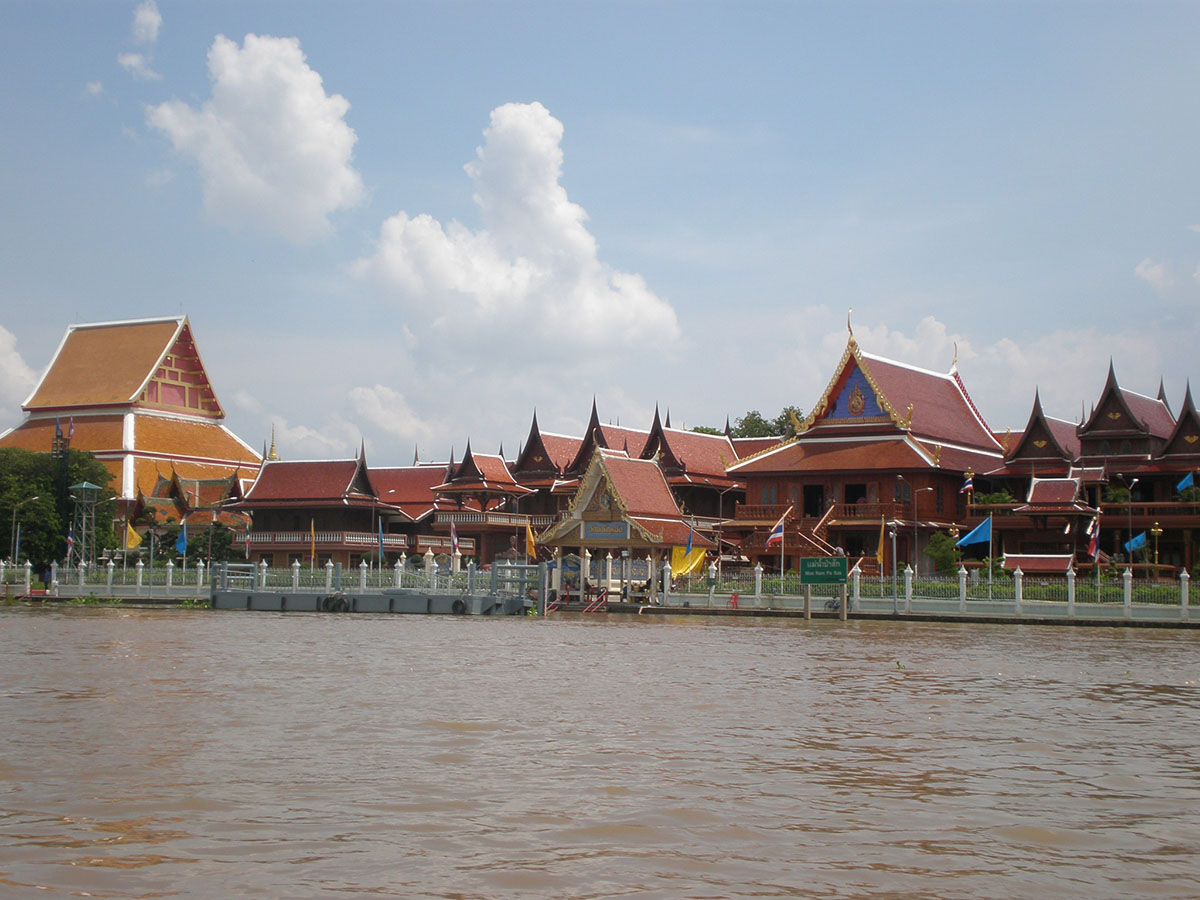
(411,488)
(342,482)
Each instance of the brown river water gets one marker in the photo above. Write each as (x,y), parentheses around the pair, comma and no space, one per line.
(191,753)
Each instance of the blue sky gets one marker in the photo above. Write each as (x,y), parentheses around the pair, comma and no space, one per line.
(413,224)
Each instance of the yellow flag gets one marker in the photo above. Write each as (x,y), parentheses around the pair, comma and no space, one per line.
(530,549)
(132,538)
(879,549)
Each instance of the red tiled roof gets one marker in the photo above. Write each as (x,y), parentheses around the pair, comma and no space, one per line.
(837,455)
(941,409)
(1151,412)
(641,487)
(744,447)
(701,454)
(304,481)
(410,488)
(1035,564)
(561,448)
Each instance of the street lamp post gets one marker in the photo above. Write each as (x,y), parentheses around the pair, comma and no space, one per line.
(895,563)
(1157,533)
(12,553)
(1129,521)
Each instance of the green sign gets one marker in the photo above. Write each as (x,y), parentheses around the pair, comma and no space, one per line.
(824,570)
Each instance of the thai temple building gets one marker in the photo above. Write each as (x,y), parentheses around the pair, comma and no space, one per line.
(134,394)
(883,450)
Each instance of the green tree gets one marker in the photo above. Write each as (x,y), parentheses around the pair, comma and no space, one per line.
(785,422)
(942,551)
(44,522)
(707,429)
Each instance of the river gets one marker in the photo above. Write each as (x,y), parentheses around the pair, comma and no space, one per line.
(193,753)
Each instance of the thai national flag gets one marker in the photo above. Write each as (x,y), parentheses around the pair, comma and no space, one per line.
(1093,534)
(453,538)
(968,485)
(776,536)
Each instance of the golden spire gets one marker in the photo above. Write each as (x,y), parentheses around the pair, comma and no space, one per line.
(272,455)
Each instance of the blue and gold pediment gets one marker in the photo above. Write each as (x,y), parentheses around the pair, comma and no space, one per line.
(856,401)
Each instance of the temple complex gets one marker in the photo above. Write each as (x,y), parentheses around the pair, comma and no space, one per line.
(889,456)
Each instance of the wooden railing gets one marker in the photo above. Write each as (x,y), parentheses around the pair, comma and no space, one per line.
(357,540)
(841,512)
(503,519)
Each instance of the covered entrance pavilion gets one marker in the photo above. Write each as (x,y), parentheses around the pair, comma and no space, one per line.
(623,523)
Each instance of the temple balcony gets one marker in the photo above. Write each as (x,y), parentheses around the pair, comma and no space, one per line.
(498,519)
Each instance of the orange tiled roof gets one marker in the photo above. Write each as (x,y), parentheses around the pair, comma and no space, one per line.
(104,364)
(194,439)
(410,488)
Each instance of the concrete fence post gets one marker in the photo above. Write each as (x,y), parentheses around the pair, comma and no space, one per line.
(399,572)
(1127,592)
(199,573)
(758,570)
(295,574)
(856,583)
(1070,592)
(666,580)
(908,588)
(170,575)
(363,568)
(28,576)
(262,575)
(1018,589)
(108,575)
(138,569)
(962,588)
(430,567)
(328,574)
(1184,581)
(712,582)
(82,573)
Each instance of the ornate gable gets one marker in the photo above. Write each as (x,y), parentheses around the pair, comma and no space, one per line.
(658,447)
(1038,441)
(179,382)
(1185,439)
(534,457)
(853,397)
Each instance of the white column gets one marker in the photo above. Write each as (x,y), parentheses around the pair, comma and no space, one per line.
(262,575)
(295,574)
(139,567)
(758,570)
(1184,581)
(399,571)
(362,575)
(1127,591)
(1018,589)
(199,573)
(908,588)
(329,574)
(962,588)
(1070,592)
(170,574)
(108,575)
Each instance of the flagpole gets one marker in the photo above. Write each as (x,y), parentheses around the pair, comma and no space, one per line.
(989,563)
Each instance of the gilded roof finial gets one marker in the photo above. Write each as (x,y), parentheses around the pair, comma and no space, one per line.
(272,455)
(848,326)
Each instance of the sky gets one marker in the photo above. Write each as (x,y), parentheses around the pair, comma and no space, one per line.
(407,226)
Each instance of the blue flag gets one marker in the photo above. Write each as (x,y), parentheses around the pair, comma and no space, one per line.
(980,534)
(181,543)
(1186,482)
(1137,543)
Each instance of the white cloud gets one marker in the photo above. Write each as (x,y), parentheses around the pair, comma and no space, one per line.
(273,148)
(146,22)
(532,270)
(93,88)
(137,65)
(1154,274)
(16,379)
(388,410)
